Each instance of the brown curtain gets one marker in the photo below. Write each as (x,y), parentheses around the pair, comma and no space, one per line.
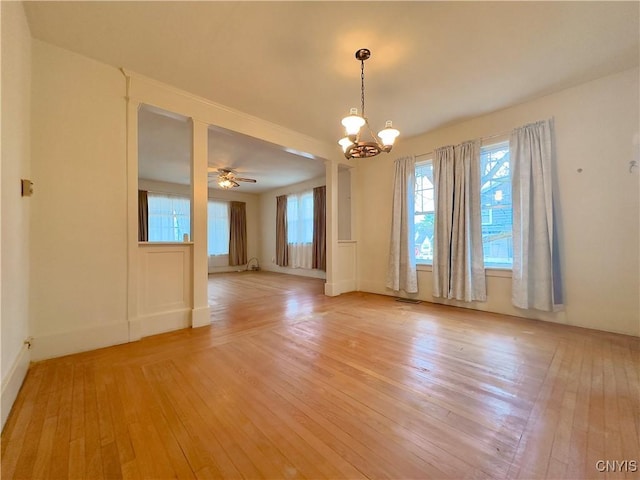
(320,228)
(282,252)
(143,216)
(237,233)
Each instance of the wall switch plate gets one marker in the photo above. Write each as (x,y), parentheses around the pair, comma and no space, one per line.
(26,187)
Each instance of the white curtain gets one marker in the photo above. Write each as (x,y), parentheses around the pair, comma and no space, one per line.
(536,266)
(169,217)
(401,273)
(300,229)
(458,264)
(300,255)
(218,228)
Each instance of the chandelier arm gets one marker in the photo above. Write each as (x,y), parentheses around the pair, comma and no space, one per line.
(373,135)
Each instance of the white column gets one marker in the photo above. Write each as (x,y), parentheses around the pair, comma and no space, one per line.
(133,107)
(331,287)
(200,315)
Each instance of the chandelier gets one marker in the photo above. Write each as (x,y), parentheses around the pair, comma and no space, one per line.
(352,144)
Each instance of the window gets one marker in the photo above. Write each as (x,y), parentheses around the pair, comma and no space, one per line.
(218,228)
(495,198)
(169,217)
(300,218)
(496,208)
(424,212)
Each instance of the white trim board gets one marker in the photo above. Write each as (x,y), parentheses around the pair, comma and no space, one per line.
(156,323)
(76,341)
(13,382)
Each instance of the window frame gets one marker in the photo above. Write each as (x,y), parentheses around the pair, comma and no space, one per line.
(497,144)
(422,163)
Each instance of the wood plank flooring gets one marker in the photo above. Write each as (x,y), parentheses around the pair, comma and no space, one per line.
(287,383)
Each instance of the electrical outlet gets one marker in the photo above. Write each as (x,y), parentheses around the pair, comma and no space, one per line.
(273,259)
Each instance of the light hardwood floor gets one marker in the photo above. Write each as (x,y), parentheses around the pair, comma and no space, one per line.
(287,383)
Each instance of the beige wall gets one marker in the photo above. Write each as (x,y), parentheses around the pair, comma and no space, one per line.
(16,152)
(268,228)
(597,131)
(78,216)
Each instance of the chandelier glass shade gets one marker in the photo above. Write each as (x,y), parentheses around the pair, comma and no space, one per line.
(353,145)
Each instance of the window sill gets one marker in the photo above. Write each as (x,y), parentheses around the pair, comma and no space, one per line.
(489,272)
(163,244)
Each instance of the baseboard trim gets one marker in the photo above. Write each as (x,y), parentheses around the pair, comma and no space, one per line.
(300,272)
(76,341)
(13,381)
(164,322)
(345,286)
(201,317)
(331,289)
(374,287)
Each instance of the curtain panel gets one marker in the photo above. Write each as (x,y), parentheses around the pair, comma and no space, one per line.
(458,264)
(143,216)
(282,252)
(536,277)
(402,272)
(300,229)
(320,228)
(300,255)
(237,233)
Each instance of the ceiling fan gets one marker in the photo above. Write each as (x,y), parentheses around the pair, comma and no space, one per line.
(227,178)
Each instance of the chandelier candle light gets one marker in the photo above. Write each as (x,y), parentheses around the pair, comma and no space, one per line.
(352,144)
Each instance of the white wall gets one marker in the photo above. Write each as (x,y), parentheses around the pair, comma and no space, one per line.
(14,240)
(268,228)
(78,251)
(253,216)
(596,127)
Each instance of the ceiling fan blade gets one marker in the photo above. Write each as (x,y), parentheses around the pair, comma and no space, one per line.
(240,179)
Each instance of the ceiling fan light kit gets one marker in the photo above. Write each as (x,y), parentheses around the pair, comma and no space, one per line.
(352,143)
(227,179)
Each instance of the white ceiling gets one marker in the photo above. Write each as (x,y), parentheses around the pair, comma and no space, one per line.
(164,154)
(291,63)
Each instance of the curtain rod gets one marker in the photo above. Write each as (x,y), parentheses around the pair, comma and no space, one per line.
(489,137)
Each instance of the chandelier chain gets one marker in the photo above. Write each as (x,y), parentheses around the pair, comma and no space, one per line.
(353,144)
(362,86)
